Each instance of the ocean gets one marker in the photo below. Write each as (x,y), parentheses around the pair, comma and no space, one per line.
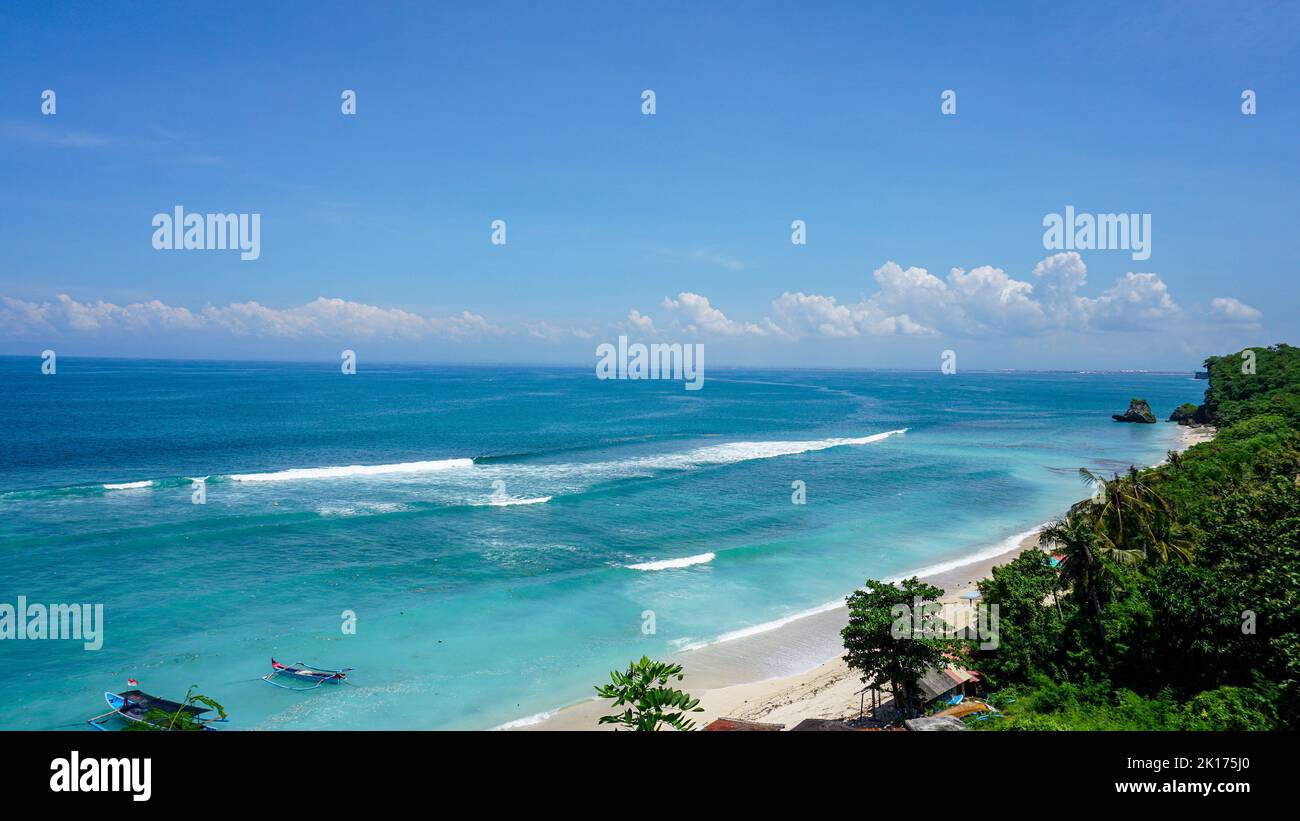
(483,544)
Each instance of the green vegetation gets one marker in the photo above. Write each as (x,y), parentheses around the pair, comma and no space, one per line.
(157,720)
(1235,396)
(884,646)
(649,702)
(1177,603)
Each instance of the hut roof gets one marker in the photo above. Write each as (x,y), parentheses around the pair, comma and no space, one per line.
(738,725)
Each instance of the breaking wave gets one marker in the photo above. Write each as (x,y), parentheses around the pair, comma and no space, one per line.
(510,501)
(747,451)
(349,471)
(129,485)
(721,454)
(671,564)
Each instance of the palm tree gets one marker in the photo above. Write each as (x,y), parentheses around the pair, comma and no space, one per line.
(1130,515)
(1086,563)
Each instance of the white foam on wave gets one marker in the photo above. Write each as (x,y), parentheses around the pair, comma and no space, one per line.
(353,471)
(670,564)
(746,632)
(510,501)
(1005,546)
(129,485)
(527,721)
(746,451)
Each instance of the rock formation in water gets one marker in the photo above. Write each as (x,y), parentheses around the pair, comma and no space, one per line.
(1138,411)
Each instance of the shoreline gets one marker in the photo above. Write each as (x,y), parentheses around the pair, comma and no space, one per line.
(732,676)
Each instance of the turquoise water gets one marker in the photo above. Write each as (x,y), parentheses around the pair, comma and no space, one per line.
(490,565)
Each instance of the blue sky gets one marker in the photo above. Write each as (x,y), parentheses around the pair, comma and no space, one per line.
(765,113)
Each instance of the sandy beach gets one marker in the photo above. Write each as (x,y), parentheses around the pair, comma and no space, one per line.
(827,689)
(728,677)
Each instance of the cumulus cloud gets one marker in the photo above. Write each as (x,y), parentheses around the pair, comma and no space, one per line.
(1135,301)
(319,317)
(638,321)
(1227,309)
(701,317)
(984,301)
(800,314)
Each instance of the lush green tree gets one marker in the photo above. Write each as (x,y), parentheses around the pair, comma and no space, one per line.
(888,640)
(1030,619)
(642,690)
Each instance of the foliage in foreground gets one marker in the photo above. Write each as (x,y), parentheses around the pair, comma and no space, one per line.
(1178,601)
(1048,705)
(649,701)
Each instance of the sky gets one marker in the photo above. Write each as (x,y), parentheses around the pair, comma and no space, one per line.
(924,230)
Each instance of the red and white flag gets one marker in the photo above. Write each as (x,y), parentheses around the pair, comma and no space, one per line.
(133,682)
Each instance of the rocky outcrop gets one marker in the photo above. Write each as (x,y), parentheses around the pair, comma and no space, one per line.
(1184,414)
(1138,411)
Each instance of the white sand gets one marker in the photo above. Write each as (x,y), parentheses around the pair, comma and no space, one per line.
(827,690)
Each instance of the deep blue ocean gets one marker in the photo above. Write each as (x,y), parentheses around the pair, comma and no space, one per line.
(500,533)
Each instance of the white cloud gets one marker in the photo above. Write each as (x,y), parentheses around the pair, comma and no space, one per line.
(1057,281)
(316,318)
(985,301)
(988,301)
(982,302)
(640,322)
(701,317)
(1227,309)
(801,314)
(1133,303)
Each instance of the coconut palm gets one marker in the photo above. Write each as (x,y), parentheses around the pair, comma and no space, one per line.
(1129,514)
(1087,565)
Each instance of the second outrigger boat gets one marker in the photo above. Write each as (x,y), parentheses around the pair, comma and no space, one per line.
(305,674)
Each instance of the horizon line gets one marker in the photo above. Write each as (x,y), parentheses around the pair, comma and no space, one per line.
(575,365)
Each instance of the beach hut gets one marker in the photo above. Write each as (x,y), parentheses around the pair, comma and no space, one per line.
(821,725)
(944,683)
(738,725)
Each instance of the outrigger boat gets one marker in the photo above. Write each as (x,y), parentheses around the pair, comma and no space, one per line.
(313,677)
(134,705)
